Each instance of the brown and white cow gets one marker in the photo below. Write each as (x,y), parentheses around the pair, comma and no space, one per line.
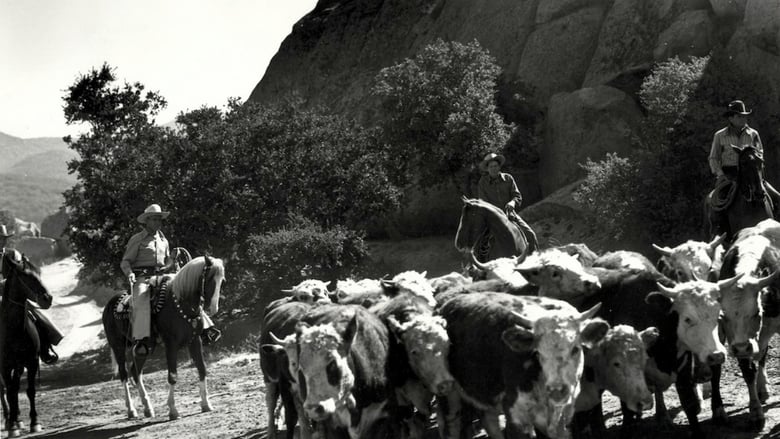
(691,260)
(751,311)
(342,368)
(365,292)
(447,281)
(519,355)
(310,291)
(559,275)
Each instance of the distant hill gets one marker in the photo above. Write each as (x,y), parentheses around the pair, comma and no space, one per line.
(33,175)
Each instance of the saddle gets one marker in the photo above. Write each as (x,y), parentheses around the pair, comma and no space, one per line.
(158,286)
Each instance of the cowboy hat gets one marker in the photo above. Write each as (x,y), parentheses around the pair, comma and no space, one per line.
(4,232)
(489,158)
(736,107)
(152,210)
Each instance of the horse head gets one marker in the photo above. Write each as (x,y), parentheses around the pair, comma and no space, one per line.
(200,279)
(23,281)
(471,226)
(751,169)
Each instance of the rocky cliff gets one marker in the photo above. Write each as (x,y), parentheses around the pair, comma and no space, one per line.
(579,61)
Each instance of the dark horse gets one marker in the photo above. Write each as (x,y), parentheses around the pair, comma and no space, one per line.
(479,217)
(750,202)
(19,343)
(178,323)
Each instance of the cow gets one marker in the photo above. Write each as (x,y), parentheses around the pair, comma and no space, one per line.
(581,251)
(501,269)
(558,275)
(686,316)
(278,362)
(447,281)
(26,228)
(616,363)
(519,355)
(342,369)
(310,291)
(624,259)
(365,292)
(751,312)
(691,260)
(412,282)
(419,349)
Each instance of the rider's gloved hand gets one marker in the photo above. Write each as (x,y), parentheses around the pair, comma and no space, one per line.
(131,278)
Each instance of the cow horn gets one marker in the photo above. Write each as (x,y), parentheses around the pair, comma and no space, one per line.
(276,339)
(717,241)
(523,320)
(728,283)
(666,251)
(668,292)
(476,263)
(590,313)
(288,292)
(765,281)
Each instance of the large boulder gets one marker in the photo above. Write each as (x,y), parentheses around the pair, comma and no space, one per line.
(584,124)
(729,8)
(557,53)
(691,34)
(553,9)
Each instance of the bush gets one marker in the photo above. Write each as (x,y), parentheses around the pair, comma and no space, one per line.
(609,192)
(301,250)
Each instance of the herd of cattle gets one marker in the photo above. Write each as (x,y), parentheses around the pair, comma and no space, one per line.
(537,340)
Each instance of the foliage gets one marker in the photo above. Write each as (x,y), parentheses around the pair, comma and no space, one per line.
(604,191)
(300,250)
(226,174)
(439,111)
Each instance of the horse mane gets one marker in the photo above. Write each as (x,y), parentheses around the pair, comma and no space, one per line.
(14,258)
(187,281)
(477,202)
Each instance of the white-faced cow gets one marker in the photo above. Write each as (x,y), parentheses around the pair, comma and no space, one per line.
(559,275)
(364,292)
(517,355)
(447,281)
(617,364)
(624,259)
(310,291)
(686,316)
(691,260)
(751,312)
(419,350)
(342,369)
(411,282)
(278,362)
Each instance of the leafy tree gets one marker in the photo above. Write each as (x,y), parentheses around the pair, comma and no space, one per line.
(439,111)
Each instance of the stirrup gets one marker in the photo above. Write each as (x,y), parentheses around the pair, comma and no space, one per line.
(210,335)
(48,356)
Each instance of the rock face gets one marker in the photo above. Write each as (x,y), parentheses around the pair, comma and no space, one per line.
(584,124)
(545,47)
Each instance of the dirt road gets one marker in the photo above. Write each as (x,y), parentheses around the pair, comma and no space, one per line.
(80,399)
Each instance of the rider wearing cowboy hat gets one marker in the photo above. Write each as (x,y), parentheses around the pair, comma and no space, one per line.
(723,159)
(48,333)
(499,189)
(147,254)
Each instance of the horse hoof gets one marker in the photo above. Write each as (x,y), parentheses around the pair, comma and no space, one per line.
(719,416)
(132,414)
(19,425)
(206,408)
(173,416)
(14,433)
(36,428)
(149,413)
(763,397)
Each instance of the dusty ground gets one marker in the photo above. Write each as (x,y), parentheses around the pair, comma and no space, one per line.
(79,399)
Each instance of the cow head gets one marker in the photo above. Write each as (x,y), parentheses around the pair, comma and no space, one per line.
(310,291)
(447,281)
(428,345)
(502,269)
(742,313)
(697,306)
(411,282)
(618,362)
(351,292)
(557,340)
(284,354)
(690,260)
(324,368)
(559,275)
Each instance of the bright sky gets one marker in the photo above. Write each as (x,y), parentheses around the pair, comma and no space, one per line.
(194,52)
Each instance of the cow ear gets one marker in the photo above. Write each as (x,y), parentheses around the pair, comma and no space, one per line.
(349,332)
(593,331)
(649,336)
(389,287)
(659,301)
(519,339)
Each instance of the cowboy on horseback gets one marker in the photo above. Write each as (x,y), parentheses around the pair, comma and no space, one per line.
(724,160)
(147,255)
(499,189)
(48,333)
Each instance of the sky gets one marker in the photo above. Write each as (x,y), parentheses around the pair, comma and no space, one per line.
(193,52)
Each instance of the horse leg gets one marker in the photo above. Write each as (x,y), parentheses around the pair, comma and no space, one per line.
(171,357)
(32,371)
(121,362)
(196,353)
(138,375)
(4,404)
(13,382)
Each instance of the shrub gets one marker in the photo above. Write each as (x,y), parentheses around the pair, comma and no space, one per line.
(301,250)
(608,191)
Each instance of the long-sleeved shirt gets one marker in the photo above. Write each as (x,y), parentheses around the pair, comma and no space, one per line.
(145,250)
(722,154)
(500,190)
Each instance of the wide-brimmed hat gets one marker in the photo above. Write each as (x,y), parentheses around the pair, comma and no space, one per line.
(4,232)
(152,210)
(489,158)
(736,107)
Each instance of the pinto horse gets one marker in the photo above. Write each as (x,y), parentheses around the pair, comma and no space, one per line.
(751,203)
(19,343)
(478,217)
(178,322)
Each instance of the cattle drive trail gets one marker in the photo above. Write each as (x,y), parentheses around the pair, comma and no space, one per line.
(79,398)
